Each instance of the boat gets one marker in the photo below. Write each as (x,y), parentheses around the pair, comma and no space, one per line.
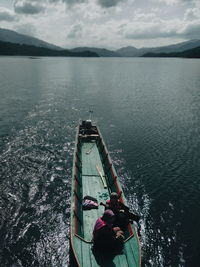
(94,175)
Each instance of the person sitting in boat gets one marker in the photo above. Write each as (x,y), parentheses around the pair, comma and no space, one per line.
(106,238)
(121,211)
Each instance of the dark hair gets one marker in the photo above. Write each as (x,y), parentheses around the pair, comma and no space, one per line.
(114,195)
(108,214)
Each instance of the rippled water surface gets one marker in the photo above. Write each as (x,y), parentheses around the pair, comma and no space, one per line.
(149,113)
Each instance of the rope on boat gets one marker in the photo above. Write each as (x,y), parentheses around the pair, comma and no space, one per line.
(89,242)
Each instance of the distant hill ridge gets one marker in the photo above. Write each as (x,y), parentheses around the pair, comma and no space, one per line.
(102,52)
(191,53)
(17,38)
(137,52)
(7,49)
(129,51)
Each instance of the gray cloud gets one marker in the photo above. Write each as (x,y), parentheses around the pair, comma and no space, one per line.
(192,31)
(27,29)
(192,14)
(150,35)
(6,16)
(102,3)
(109,3)
(147,31)
(29,8)
(101,22)
(160,30)
(75,31)
(69,2)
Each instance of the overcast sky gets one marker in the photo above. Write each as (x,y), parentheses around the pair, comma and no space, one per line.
(104,23)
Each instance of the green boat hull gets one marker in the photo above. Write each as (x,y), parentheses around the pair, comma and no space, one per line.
(94,175)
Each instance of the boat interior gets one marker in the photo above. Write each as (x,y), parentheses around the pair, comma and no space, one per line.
(94,176)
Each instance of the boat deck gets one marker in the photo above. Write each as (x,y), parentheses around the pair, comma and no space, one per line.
(89,179)
(92,185)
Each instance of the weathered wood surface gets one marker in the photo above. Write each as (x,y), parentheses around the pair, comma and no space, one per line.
(90,183)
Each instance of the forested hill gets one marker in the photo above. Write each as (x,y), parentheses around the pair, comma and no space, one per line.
(13,49)
(191,53)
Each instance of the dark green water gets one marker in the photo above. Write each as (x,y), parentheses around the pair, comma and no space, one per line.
(149,113)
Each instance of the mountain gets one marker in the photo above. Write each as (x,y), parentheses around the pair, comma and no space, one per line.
(131,51)
(17,38)
(14,37)
(180,47)
(102,52)
(7,48)
(128,51)
(191,53)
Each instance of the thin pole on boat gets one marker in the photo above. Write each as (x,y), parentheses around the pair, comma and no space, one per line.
(101,175)
(91,112)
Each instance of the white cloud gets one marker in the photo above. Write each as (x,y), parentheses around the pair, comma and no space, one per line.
(105,23)
(174,2)
(149,28)
(76,31)
(192,14)
(69,2)
(169,2)
(6,14)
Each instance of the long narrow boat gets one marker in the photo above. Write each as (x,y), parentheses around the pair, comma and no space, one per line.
(94,175)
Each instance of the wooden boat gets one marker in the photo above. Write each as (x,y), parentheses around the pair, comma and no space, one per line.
(94,175)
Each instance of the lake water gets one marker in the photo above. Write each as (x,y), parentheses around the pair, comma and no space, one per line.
(149,113)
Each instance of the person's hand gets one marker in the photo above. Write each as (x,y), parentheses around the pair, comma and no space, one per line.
(122,211)
(119,235)
(116,229)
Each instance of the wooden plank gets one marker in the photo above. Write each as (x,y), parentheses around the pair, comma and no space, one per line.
(135,249)
(101,175)
(77,245)
(86,255)
(130,254)
(89,157)
(90,187)
(89,161)
(121,260)
(93,260)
